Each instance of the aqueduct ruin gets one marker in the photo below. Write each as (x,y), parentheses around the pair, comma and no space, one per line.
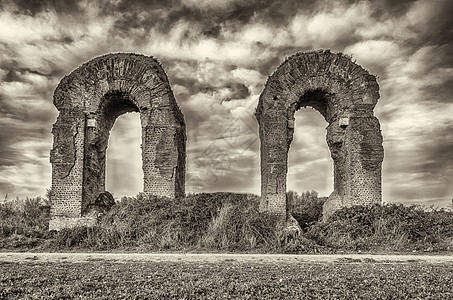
(93,96)
(345,95)
(89,100)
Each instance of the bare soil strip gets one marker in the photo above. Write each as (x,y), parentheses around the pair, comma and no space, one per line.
(220,257)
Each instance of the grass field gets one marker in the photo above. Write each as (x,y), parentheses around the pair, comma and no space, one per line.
(226,280)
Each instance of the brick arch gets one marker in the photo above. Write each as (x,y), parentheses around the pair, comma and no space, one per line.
(89,100)
(345,94)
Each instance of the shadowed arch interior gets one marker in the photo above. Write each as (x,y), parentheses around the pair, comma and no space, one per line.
(310,166)
(318,99)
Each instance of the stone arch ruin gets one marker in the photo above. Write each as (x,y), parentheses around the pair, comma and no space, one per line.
(345,95)
(89,100)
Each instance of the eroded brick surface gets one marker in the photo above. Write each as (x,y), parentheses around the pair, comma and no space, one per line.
(89,100)
(345,94)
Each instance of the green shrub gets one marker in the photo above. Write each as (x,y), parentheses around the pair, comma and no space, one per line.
(24,223)
(306,208)
(230,222)
(28,217)
(390,227)
(213,221)
(241,227)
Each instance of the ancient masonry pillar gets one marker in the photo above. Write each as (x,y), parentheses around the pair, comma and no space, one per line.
(68,164)
(364,159)
(274,159)
(355,143)
(160,139)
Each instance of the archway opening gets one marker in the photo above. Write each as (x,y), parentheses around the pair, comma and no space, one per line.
(124,174)
(99,125)
(310,166)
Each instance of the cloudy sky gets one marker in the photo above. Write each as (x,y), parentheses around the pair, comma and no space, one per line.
(218,55)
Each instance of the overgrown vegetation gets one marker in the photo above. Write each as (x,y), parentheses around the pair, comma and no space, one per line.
(390,227)
(24,222)
(219,221)
(230,222)
(306,208)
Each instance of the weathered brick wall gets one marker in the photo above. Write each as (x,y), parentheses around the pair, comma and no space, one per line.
(67,164)
(89,100)
(345,94)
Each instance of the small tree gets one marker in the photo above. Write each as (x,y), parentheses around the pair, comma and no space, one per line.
(306,208)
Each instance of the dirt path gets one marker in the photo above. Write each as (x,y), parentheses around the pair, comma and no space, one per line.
(218,258)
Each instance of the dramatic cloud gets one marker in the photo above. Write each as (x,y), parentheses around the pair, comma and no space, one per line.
(218,55)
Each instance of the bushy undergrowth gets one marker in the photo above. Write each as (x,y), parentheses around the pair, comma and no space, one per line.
(238,227)
(229,222)
(23,222)
(218,221)
(393,227)
(306,208)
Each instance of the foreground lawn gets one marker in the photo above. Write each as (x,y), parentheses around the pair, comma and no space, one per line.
(227,280)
